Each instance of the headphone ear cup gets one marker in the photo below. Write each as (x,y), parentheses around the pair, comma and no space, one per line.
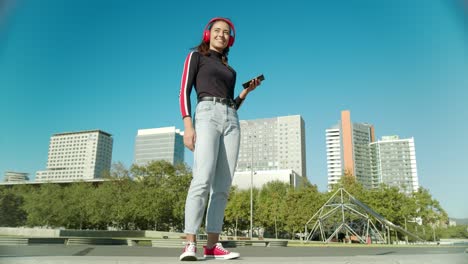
(231,41)
(206,36)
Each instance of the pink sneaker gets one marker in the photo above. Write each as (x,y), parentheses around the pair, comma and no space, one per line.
(218,252)
(189,253)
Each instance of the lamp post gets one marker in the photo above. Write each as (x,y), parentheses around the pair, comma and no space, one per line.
(406,229)
(251,187)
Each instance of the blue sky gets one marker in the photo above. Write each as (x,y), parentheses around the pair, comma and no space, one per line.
(115,65)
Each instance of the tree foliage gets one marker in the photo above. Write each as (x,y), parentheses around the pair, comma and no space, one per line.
(10,207)
(237,213)
(152,197)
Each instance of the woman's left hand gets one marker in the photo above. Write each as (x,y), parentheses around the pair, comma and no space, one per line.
(253,84)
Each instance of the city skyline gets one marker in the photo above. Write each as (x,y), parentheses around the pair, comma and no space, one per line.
(116,66)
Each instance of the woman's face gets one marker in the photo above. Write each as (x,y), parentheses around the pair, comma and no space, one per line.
(219,35)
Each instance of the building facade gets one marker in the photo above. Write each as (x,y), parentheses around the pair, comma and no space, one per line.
(12,176)
(347,146)
(394,163)
(166,143)
(273,144)
(351,148)
(245,179)
(73,156)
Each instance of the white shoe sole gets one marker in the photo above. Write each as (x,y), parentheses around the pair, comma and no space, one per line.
(223,257)
(188,258)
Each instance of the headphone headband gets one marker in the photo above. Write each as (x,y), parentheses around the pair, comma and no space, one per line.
(206,31)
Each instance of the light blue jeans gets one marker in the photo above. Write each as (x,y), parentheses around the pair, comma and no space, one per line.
(215,156)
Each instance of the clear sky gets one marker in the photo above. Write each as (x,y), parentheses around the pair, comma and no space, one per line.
(116,66)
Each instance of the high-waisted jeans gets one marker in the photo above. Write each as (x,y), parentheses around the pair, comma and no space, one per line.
(215,156)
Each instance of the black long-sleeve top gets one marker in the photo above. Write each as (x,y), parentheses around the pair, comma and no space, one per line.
(209,76)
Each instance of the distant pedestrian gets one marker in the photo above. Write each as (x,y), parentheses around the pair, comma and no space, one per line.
(213,135)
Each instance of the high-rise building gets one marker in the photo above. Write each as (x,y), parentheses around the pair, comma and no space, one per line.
(394,163)
(83,155)
(245,179)
(12,176)
(273,144)
(166,143)
(348,151)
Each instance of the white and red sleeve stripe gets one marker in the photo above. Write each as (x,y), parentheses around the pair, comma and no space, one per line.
(187,82)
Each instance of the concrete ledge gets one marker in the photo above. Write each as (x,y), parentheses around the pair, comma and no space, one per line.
(254,243)
(95,241)
(165,235)
(173,243)
(167,243)
(101,233)
(43,232)
(109,237)
(29,232)
(134,242)
(46,240)
(277,243)
(10,241)
(178,243)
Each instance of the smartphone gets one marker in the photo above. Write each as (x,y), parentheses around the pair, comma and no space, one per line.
(260,77)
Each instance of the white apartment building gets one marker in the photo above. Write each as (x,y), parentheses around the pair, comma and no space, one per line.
(166,143)
(334,156)
(73,156)
(351,148)
(394,163)
(273,144)
(245,179)
(347,146)
(12,176)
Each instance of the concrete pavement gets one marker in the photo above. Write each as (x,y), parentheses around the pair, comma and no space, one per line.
(53,254)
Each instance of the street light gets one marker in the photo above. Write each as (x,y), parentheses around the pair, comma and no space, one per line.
(251,187)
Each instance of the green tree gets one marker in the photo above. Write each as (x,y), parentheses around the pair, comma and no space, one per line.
(101,208)
(459,231)
(120,211)
(301,204)
(45,206)
(159,199)
(117,171)
(78,197)
(430,211)
(177,185)
(392,204)
(11,213)
(237,213)
(351,185)
(270,209)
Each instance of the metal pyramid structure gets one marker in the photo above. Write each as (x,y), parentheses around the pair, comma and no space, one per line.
(344,216)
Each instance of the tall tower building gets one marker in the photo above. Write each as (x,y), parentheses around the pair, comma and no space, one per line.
(273,144)
(73,156)
(394,163)
(348,150)
(166,143)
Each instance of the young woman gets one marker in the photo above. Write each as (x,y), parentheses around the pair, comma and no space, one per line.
(213,135)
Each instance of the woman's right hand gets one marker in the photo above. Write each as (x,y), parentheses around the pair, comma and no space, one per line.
(190,135)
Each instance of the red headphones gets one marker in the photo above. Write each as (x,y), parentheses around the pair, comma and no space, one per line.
(206,32)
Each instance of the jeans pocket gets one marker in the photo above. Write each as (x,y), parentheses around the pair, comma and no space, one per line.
(204,110)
